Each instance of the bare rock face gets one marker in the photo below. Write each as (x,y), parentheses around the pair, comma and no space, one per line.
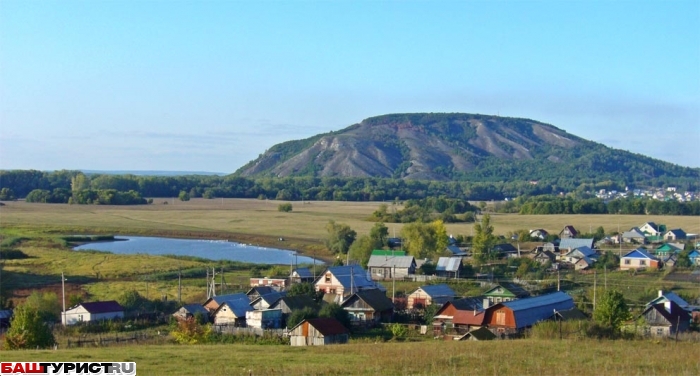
(431,146)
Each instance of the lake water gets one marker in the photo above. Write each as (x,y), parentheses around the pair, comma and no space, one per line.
(209,249)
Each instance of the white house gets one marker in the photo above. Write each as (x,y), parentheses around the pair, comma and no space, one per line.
(93,311)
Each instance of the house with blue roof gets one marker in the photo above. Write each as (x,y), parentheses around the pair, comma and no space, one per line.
(344,281)
(670,296)
(301,275)
(637,259)
(569,244)
(215,301)
(429,295)
(694,257)
(511,318)
(232,312)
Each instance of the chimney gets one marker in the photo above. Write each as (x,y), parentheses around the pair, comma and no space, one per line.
(487,303)
(667,305)
(661,293)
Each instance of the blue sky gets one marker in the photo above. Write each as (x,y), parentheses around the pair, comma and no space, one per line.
(209,85)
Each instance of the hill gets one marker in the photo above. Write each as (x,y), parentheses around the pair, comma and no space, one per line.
(433,146)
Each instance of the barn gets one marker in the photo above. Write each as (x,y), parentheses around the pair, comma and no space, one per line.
(505,319)
(93,311)
(319,332)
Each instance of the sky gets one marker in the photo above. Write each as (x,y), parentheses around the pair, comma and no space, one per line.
(210,85)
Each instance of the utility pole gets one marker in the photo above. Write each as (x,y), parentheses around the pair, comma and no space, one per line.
(595,279)
(558,281)
(208,290)
(606,276)
(63,289)
(179,286)
(221,288)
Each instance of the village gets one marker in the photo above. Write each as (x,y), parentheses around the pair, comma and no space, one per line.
(362,298)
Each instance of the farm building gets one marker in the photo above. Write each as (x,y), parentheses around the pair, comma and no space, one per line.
(511,318)
(569,244)
(638,258)
(428,295)
(319,332)
(266,300)
(264,319)
(448,267)
(189,311)
(368,306)
(663,320)
(458,316)
(388,267)
(293,303)
(276,283)
(505,292)
(93,311)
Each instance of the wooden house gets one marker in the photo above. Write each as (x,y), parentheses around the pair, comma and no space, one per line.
(663,320)
(504,292)
(448,267)
(539,234)
(264,319)
(368,307)
(637,259)
(428,295)
(214,302)
(671,296)
(458,316)
(694,257)
(511,318)
(93,311)
(388,267)
(668,249)
(189,311)
(287,304)
(651,229)
(319,332)
(266,300)
(568,232)
(545,257)
(634,235)
(256,291)
(301,275)
(585,253)
(232,312)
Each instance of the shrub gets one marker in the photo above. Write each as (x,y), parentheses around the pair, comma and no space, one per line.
(398,330)
(286,207)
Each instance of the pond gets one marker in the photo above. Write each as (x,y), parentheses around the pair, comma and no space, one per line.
(209,249)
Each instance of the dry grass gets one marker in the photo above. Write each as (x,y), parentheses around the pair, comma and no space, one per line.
(524,357)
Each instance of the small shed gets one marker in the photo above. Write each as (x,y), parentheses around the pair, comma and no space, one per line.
(264,319)
(93,311)
(214,302)
(319,332)
(448,267)
(481,334)
(232,312)
(301,275)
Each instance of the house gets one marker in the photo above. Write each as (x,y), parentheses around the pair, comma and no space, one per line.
(634,235)
(5,318)
(568,315)
(368,306)
(674,235)
(344,281)
(651,229)
(393,242)
(189,311)
(569,244)
(276,283)
(389,252)
(480,334)
(511,318)
(293,303)
(264,319)
(301,275)
(93,311)
(638,258)
(458,316)
(578,253)
(504,292)
(694,257)
(388,267)
(455,251)
(545,257)
(266,300)
(448,267)
(257,291)
(663,320)
(504,249)
(318,332)
(428,295)
(214,302)
(584,263)
(668,249)
(669,261)
(539,233)
(232,312)
(568,232)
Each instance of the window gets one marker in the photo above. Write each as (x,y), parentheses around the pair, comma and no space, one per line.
(80,317)
(642,262)
(328,278)
(659,331)
(627,261)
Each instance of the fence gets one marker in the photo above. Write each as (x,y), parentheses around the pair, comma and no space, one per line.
(109,339)
(230,329)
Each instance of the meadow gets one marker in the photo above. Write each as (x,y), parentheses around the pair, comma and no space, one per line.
(521,357)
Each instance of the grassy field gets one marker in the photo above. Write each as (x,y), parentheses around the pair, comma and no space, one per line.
(525,357)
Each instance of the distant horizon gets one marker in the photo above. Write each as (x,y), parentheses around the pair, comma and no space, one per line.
(196,86)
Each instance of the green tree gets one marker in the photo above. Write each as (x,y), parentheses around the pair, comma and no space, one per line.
(45,304)
(361,249)
(300,315)
(184,196)
(285,207)
(340,237)
(79,182)
(304,288)
(379,235)
(6,194)
(483,239)
(131,300)
(337,312)
(611,311)
(28,330)
(424,240)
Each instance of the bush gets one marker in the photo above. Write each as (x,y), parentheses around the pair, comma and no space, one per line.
(28,330)
(398,330)
(286,207)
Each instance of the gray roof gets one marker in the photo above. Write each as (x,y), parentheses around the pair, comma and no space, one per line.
(391,261)
(634,232)
(572,243)
(261,290)
(468,304)
(352,275)
(448,264)
(271,298)
(670,296)
(584,251)
(296,302)
(374,298)
(529,311)
(436,291)
(194,309)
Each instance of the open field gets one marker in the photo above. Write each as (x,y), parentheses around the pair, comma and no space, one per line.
(524,357)
(259,221)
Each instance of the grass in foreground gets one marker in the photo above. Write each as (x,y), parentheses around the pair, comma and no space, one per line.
(522,357)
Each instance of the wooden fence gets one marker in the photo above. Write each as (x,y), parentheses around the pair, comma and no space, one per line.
(108,339)
(230,329)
